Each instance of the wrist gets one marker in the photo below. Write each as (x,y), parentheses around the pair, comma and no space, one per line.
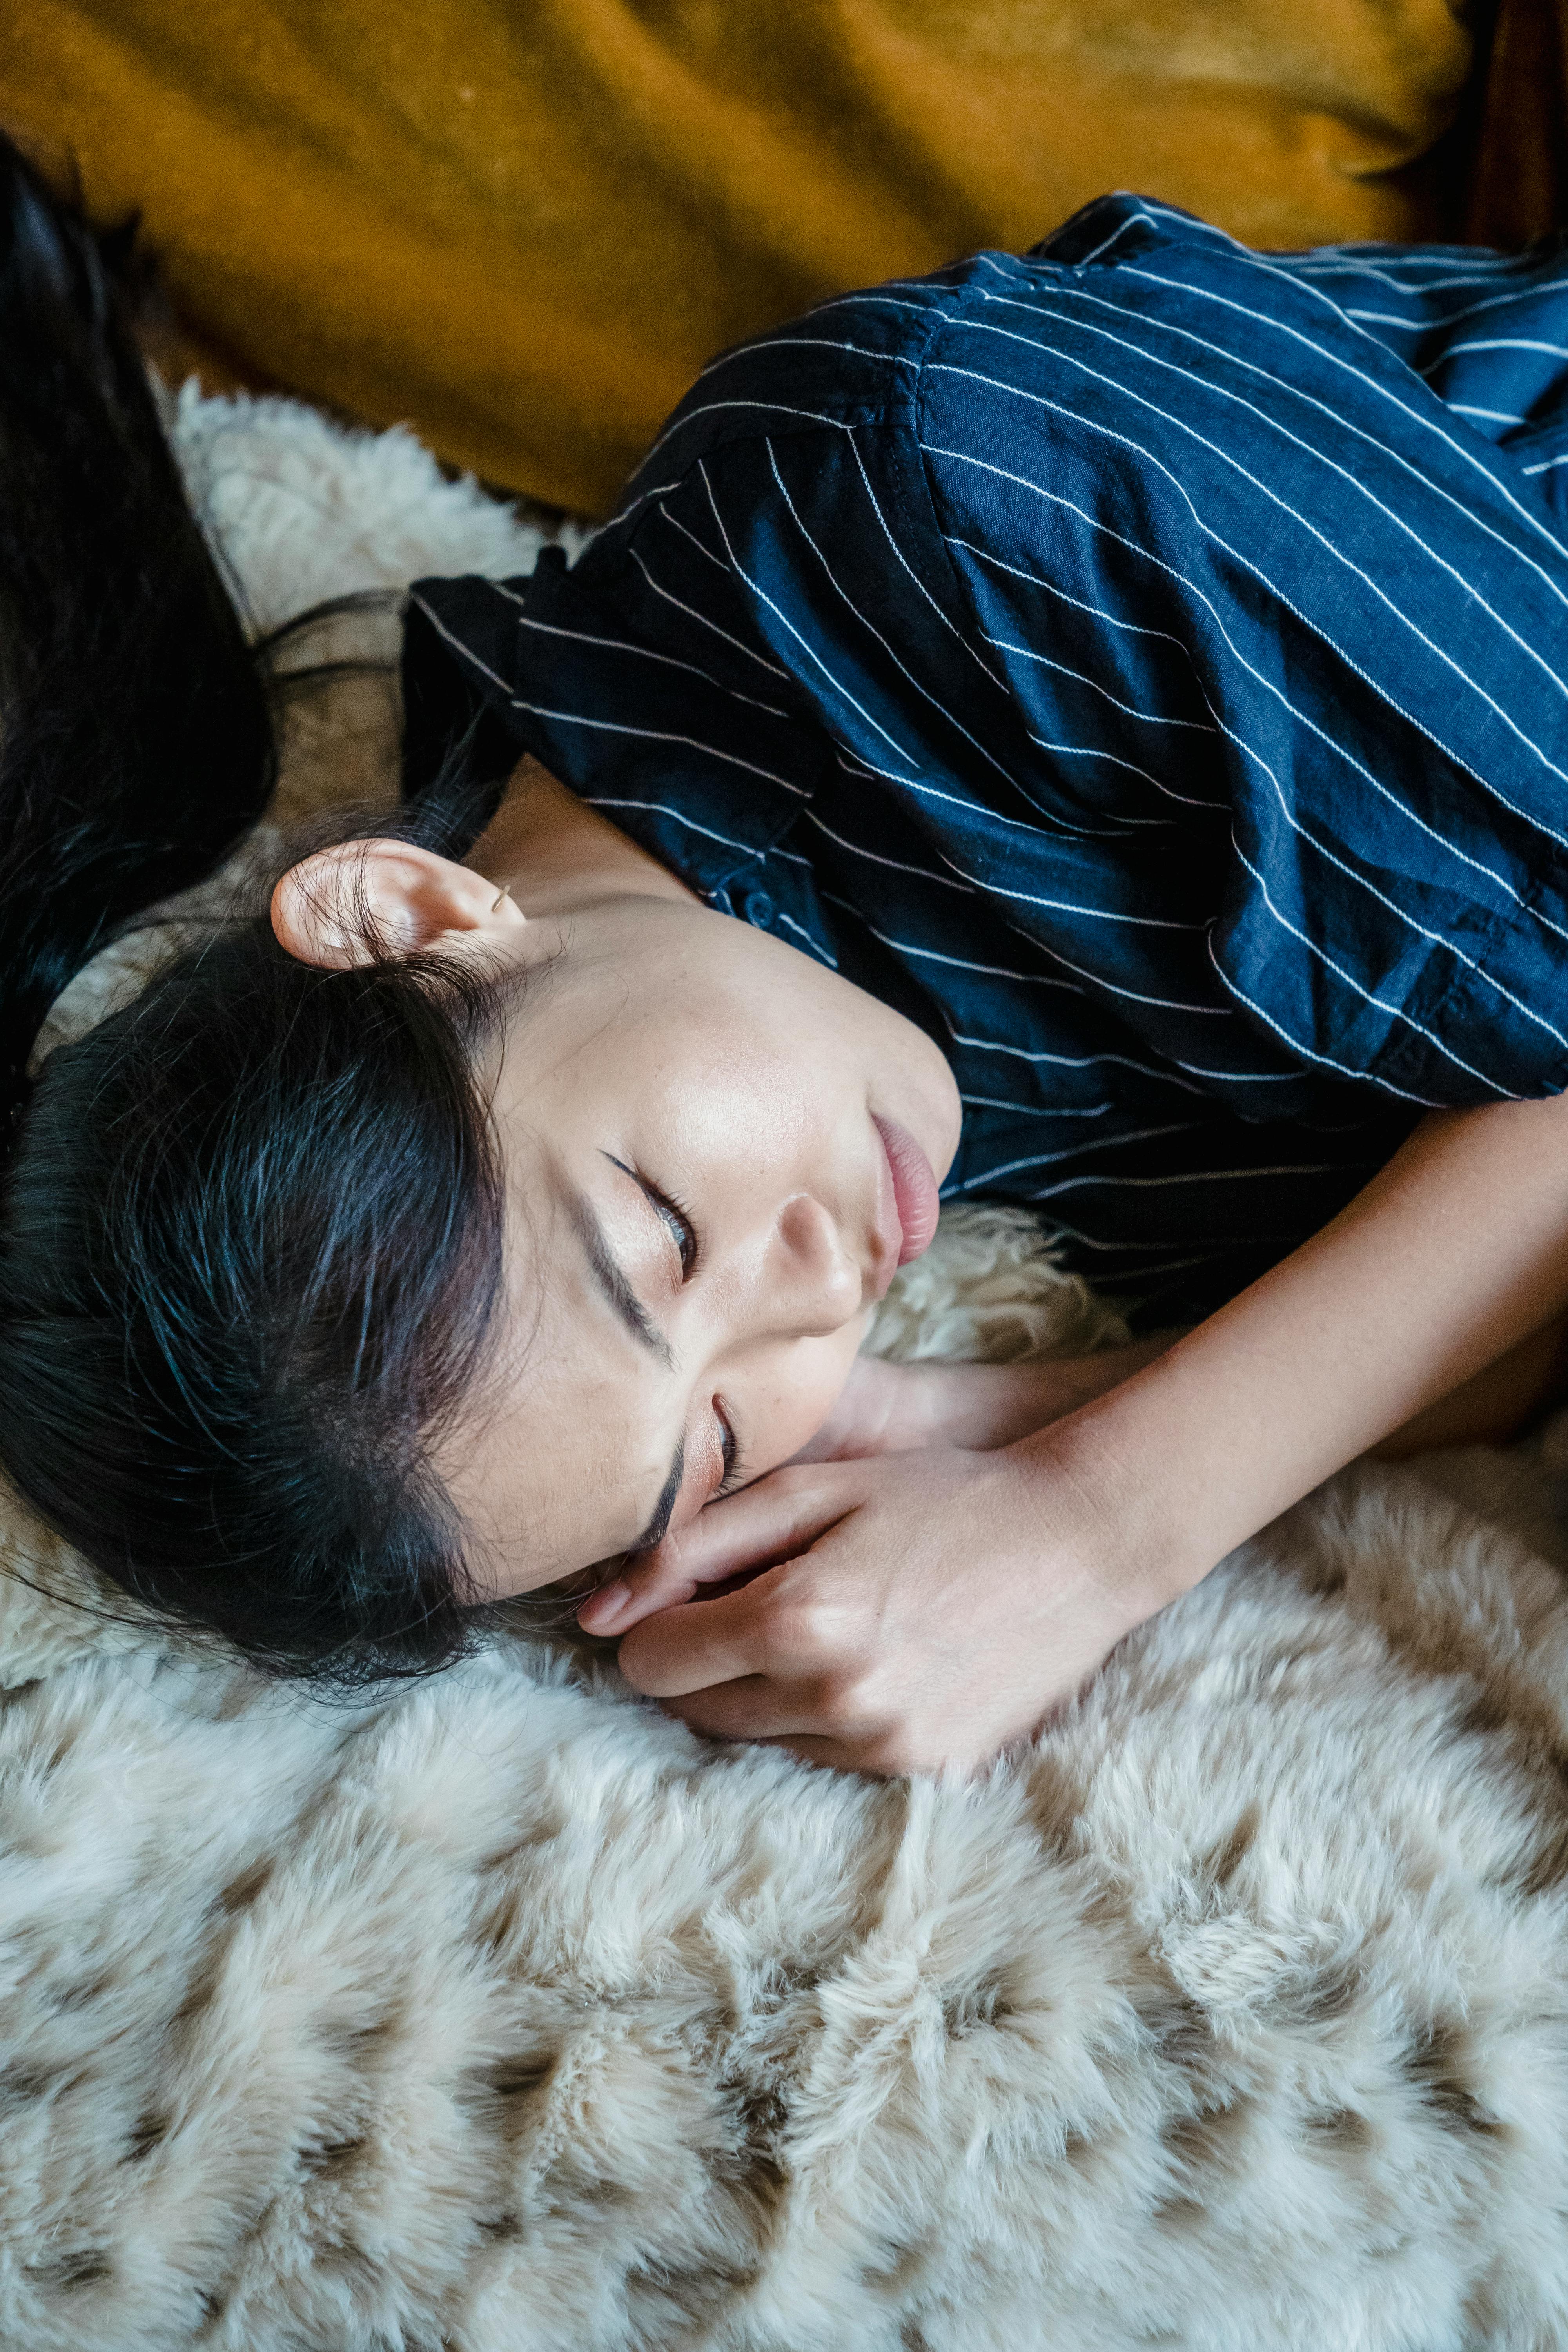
(1138,1517)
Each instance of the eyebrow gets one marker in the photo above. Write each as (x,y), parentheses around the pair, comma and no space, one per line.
(614,1283)
(625,1303)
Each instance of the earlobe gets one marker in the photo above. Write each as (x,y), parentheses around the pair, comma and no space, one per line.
(364,901)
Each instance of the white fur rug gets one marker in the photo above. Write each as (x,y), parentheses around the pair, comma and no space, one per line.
(508,2017)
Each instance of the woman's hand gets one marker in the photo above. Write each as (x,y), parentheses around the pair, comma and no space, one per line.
(888,1408)
(901,1613)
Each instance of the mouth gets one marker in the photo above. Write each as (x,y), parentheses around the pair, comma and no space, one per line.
(915,1198)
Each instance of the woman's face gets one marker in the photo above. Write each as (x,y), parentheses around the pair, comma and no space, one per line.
(717,1152)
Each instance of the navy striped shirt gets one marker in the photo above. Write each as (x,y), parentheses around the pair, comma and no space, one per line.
(1144,662)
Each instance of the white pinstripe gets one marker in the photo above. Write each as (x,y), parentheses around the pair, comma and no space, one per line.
(1467,310)
(815,343)
(711,407)
(931,955)
(1501,344)
(691,613)
(856,762)
(814,945)
(1107,242)
(1081,678)
(1461,449)
(456,643)
(899,864)
(1071,1061)
(1243,1077)
(1098,980)
(1053,827)
(1141,1274)
(1190,222)
(1070,906)
(1357,248)
(1193,1176)
(1040,1110)
(658,735)
(1075,1150)
(624,513)
(1281,386)
(642,653)
(903,666)
(760,594)
(1302,718)
(1063,1231)
(1325,1061)
(706,553)
(598,800)
(1121,825)
(1125,391)
(951,626)
(1362,269)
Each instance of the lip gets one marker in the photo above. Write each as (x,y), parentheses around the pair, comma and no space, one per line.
(916,1200)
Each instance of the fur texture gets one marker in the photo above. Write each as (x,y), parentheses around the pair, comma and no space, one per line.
(508,2017)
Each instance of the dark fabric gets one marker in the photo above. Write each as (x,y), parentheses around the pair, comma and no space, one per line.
(1142,662)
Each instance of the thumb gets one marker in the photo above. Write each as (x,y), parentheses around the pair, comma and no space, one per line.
(659,1579)
(771,1521)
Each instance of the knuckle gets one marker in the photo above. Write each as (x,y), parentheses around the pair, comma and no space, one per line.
(831,1704)
(637,1662)
(839,1701)
(803,1626)
(797,1478)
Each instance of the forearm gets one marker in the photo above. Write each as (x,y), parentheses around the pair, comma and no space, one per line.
(982,1406)
(1455,1253)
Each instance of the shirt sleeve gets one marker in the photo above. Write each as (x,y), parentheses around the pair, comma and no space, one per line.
(769,612)
(1260,595)
(1133,590)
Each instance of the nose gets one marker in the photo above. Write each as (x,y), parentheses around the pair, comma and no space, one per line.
(816,1285)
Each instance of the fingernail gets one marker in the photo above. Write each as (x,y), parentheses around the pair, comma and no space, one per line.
(601,1608)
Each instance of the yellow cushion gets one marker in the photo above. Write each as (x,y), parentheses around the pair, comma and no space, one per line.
(523,224)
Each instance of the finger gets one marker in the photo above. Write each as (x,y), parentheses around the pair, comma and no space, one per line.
(779,1517)
(834,1754)
(761,1722)
(661,1579)
(658,1581)
(753,1707)
(716,1640)
(768,1523)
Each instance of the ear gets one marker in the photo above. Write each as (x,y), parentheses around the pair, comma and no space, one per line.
(359,900)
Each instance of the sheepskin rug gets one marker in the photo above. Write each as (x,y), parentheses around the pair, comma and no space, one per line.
(504,2015)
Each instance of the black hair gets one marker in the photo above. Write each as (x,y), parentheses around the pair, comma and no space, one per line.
(252,1232)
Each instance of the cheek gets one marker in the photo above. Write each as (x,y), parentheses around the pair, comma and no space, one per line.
(745,1107)
(789,1400)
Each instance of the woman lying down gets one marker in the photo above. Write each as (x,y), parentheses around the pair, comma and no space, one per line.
(1087,729)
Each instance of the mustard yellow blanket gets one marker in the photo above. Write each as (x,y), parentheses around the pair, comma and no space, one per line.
(523,224)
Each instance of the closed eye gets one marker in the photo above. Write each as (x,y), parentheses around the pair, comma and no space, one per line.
(734,1470)
(682,1232)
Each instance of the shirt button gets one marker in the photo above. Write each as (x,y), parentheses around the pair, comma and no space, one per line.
(757,908)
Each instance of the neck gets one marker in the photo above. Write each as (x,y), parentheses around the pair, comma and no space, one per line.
(553,854)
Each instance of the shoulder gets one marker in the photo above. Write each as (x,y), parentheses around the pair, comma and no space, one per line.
(854,361)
